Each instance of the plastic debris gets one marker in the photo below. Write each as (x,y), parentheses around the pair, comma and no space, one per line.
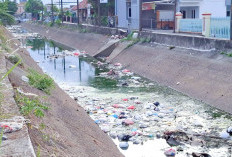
(126,71)
(156,104)
(200,155)
(76,54)
(131,107)
(170,152)
(117,64)
(4,138)
(128,122)
(72,66)
(25,79)
(118,106)
(229,130)
(124,145)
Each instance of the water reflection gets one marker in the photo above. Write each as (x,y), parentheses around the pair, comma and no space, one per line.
(75,70)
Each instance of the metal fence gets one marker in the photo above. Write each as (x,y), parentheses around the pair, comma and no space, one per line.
(220,28)
(158,24)
(106,21)
(191,25)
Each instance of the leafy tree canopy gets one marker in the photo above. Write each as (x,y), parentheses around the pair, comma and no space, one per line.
(11,6)
(34,6)
(5,17)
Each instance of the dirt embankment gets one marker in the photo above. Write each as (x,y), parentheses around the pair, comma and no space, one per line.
(202,75)
(66,130)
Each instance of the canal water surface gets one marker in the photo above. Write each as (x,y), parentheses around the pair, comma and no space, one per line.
(110,100)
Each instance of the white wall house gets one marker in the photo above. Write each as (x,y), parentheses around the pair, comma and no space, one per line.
(195,8)
(128,13)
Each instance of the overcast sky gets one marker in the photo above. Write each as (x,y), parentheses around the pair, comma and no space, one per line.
(56,1)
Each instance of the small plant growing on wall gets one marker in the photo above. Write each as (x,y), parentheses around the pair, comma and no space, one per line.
(40,81)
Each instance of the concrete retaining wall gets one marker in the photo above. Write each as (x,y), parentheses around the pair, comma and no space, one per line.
(181,40)
(188,41)
(201,77)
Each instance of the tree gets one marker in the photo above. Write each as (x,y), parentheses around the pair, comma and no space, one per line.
(5,17)
(106,8)
(11,6)
(34,7)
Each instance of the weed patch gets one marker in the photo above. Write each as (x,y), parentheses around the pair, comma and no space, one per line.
(40,81)
(14,59)
(31,105)
(229,54)
(133,43)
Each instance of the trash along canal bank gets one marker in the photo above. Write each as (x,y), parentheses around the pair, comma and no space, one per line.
(141,117)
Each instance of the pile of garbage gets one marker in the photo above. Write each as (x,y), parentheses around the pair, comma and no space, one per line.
(134,116)
(11,125)
(65,53)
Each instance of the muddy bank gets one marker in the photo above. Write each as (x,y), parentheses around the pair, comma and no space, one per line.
(201,75)
(66,129)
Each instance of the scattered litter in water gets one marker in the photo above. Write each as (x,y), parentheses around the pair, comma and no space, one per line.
(141,117)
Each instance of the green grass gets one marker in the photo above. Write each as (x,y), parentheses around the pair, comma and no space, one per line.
(40,81)
(3,40)
(1,135)
(135,41)
(83,30)
(229,54)
(222,53)
(128,38)
(38,151)
(14,59)
(30,106)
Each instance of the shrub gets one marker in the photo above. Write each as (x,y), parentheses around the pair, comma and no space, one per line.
(29,105)
(40,81)
(58,22)
(14,59)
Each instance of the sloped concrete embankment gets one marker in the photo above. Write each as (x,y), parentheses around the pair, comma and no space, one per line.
(67,129)
(201,77)
(18,143)
(88,42)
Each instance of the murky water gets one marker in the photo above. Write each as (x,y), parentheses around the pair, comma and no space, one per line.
(83,78)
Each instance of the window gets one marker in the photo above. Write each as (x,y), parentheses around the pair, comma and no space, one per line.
(184,13)
(227,13)
(193,14)
(129,12)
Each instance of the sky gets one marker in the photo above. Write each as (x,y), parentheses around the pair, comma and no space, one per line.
(56,1)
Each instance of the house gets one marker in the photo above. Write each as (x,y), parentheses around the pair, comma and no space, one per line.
(158,14)
(153,11)
(85,10)
(20,6)
(127,12)
(195,8)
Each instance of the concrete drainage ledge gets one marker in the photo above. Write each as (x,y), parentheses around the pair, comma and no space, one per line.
(188,41)
(16,140)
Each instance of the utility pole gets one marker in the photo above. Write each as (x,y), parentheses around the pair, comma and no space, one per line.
(62,14)
(140,15)
(52,12)
(78,21)
(174,26)
(231,20)
(98,12)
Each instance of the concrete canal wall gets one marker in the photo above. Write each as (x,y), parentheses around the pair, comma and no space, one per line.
(203,75)
(67,128)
